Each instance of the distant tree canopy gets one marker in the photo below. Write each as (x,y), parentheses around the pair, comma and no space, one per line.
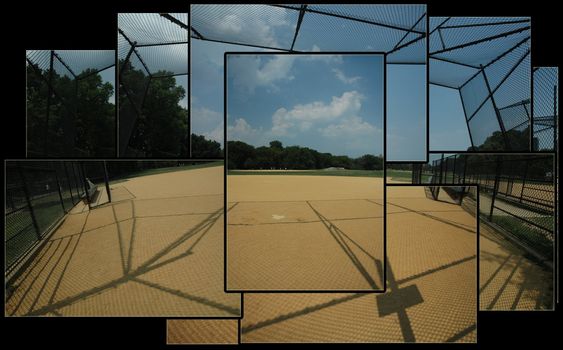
(80,120)
(244,156)
(152,123)
(203,148)
(518,140)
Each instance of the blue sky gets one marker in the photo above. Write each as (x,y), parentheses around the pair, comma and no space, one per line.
(207,87)
(406,112)
(448,130)
(331,103)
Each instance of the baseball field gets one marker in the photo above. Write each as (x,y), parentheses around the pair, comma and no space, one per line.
(431,291)
(305,233)
(155,250)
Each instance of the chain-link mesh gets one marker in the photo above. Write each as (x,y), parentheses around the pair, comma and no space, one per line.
(38,195)
(516,192)
(153,63)
(70,112)
(546,108)
(399,30)
(488,61)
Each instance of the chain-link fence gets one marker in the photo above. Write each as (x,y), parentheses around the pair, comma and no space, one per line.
(153,84)
(487,60)
(70,103)
(546,108)
(516,192)
(395,29)
(39,194)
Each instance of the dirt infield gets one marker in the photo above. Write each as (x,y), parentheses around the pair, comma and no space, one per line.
(509,279)
(156,250)
(304,233)
(431,281)
(202,331)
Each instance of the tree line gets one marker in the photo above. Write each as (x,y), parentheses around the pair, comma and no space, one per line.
(69,117)
(275,156)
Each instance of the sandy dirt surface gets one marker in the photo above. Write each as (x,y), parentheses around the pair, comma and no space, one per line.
(304,233)
(202,331)
(431,281)
(156,250)
(509,279)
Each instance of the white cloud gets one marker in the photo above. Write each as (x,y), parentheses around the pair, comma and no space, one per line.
(216,134)
(303,116)
(343,78)
(242,21)
(348,127)
(205,119)
(242,131)
(355,135)
(249,72)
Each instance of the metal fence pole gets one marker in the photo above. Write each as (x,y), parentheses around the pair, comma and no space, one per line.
(524,181)
(464,167)
(453,170)
(28,199)
(495,187)
(59,189)
(441,167)
(554,117)
(48,111)
(106,179)
(86,194)
(68,180)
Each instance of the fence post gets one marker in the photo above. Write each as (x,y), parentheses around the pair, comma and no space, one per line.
(31,211)
(453,170)
(68,180)
(464,167)
(495,186)
(85,185)
(50,92)
(59,188)
(106,179)
(554,118)
(524,181)
(441,168)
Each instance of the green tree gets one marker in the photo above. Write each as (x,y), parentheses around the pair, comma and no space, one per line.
(80,121)
(157,125)
(238,154)
(203,148)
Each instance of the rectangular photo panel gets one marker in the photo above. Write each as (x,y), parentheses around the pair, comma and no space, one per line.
(397,30)
(517,201)
(304,184)
(153,85)
(115,238)
(480,84)
(431,291)
(70,104)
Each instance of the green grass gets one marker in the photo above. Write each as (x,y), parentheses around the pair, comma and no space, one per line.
(357,173)
(165,170)
(405,176)
(529,234)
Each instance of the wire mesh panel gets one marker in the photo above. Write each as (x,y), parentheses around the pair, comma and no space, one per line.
(21,230)
(517,193)
(70,108)
(488,61)
(153,64)
(398,30)
(38,195)
(546,108)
